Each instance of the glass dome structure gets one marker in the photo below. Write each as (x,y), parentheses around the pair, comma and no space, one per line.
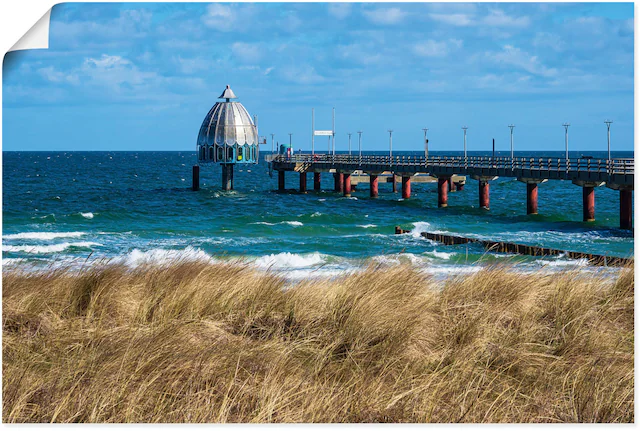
(228,134)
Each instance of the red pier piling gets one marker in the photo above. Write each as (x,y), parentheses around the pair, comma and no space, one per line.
(373,186)
(532,198)
(395,183)
(338,182)
(443,189)
(483,194)
(316,181)
(303,182)
(626,209)
(588,204)
(347,185)
(406,187)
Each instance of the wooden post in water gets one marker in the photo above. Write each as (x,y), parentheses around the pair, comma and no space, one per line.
(280,181)
(303,182)
(316,181)
(626,208)
(227,177)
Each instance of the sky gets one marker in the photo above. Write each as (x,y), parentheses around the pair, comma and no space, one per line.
(142,76)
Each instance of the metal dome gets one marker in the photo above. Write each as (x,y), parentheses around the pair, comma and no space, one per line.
(227,134)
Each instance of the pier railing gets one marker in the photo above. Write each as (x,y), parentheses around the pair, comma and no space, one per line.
(584,168)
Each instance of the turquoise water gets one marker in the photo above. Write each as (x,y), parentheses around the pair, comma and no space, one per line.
(65,207)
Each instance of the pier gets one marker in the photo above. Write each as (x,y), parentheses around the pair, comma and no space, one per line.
(451,172)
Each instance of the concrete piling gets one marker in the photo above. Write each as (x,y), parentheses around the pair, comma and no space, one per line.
(451,184)
(338,182)
(227,177)
(443,188)
(588,204)
(316,181)
(195,181)
(395,183)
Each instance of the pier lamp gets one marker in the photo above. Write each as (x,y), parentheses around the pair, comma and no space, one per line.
(426,144)
(511,126)
(273,148)
(608,123)
(390,145)
(360,144)
(464,128)
(349,143)
(566,140)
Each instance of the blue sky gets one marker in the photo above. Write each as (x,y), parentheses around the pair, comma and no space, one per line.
(143,76)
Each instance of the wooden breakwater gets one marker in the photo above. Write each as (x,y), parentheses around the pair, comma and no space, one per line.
(529,250)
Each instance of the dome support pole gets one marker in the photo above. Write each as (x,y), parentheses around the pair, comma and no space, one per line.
(195,184)
(227,177)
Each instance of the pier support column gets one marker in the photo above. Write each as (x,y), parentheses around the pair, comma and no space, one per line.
(338,182)
(626,209)
(532,198)
(483,194)
(347,185)
(483,189)
(373,186)
(406,187)
(195,183)
(588,198)
(316,181)
(443,188)
(227,177)
(280,181)
(395,183)
(588,204)
(451,184)
(303,182)
(460,186)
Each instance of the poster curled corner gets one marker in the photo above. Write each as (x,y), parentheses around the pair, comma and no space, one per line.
(37,37)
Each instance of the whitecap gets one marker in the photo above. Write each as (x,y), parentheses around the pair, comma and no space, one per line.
(418,228)
(290,260)
(163,256)
(367,226)
(44,235)
(87,215)
(44,249)
(439,254)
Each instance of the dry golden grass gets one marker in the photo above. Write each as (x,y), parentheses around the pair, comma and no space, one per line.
(197,342)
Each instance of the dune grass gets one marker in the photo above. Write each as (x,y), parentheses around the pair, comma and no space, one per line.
(200,342)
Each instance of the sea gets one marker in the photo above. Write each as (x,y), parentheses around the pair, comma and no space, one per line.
(81,208)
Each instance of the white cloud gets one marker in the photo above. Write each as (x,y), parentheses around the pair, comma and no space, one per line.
(457,19)
(498,18)
(302,74)
(340,10)
(247,52)
(385,16)
(359,53)
(220,17)
(513,56)
(548,40)
(51,74)
(431,48)
(114,71)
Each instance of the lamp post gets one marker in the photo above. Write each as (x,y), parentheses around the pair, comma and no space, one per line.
(464,128)
(511,126)
(273,148)
(426,144)
(390,145)
(360,145)
(566,140)
(349,143)
(608,123)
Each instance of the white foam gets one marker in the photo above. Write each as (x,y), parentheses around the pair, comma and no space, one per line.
(87,215)
(439,254)
(290,223)
(162,256)
(316,214)
(367,226)
(44,249)
(418,228)
(44,235)
(290,260)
